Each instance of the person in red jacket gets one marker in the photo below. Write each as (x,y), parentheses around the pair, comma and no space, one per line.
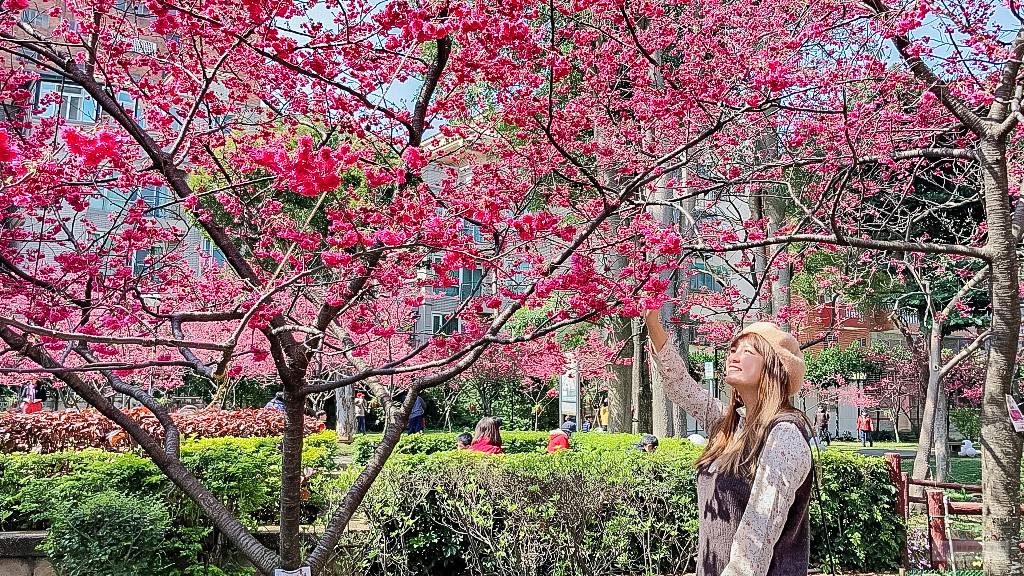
(865,427)
(487,437)
(559,438)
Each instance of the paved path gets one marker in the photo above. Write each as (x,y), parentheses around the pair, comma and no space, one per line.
(882,451)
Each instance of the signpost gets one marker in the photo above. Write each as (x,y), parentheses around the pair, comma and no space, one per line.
(1015,414)
(569,394)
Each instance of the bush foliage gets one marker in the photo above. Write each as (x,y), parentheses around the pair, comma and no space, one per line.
(37,491)
(109,533)
(602,504)
(70,430)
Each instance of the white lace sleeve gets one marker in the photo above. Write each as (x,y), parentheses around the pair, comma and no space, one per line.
(781,470)
(682,389)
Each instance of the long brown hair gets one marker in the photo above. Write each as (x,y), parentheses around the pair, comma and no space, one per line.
(738,453)
(488,427)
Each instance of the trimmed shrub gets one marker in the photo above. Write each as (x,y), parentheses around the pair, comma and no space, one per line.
(602,502)
(35,489)
(533,513)
(433,442)
(67,430)
(858,501)
(108,533)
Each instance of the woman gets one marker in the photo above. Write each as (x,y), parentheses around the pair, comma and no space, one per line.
(487,437)
(754,476)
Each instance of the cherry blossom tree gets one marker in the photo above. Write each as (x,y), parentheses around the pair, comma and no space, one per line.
(275,130)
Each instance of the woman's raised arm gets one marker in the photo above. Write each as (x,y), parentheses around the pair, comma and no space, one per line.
(680,387)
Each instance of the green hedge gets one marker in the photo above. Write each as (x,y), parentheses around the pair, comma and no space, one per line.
(40,491)
(603,502)
(614,508)
(110,534)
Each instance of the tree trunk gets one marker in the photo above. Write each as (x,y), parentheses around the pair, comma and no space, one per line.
(940,439)
(760,265)
(642,377)
(620,388)
(346,412)
(291,477)
(924,444)
(1000,444)
(776,212)
(682,290)
(663,421)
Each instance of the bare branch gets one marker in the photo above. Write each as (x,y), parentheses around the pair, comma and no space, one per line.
(78,336)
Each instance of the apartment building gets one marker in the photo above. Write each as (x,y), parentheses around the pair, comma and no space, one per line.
(55,96)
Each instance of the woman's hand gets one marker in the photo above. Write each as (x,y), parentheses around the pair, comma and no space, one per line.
(655,330)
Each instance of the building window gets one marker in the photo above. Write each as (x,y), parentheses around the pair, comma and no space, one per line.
(215,254)
(831,340)
(146,260)
(34,18)
(519,281)
(851,312)
(862,342)
(472,230)
(154,196)
(75,103)
(150,260)
(107,199)
(472,283)
(444,326)
(704,281)
(132,107)
(137,8)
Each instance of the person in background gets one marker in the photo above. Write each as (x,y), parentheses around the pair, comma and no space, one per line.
(417,418)
(648,443)
(569,424)
(865,428)
(360,404)
(463,441)
(559,438)
(821,418)
(588,424)
(602,415)
(277,402)
(321,419)
(487,437)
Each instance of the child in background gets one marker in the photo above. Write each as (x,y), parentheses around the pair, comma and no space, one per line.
(560,438)
(588,424)
(463,441)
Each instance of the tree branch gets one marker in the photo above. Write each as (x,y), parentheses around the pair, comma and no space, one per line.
(78,336)
(964,353)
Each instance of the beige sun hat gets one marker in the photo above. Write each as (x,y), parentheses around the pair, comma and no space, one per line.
(786,346)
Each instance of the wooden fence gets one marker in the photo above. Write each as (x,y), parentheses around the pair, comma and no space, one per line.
(940,507)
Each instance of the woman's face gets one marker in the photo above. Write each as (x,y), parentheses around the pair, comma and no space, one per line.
(743,368)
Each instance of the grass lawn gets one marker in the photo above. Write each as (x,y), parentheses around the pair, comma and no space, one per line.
(961,470)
